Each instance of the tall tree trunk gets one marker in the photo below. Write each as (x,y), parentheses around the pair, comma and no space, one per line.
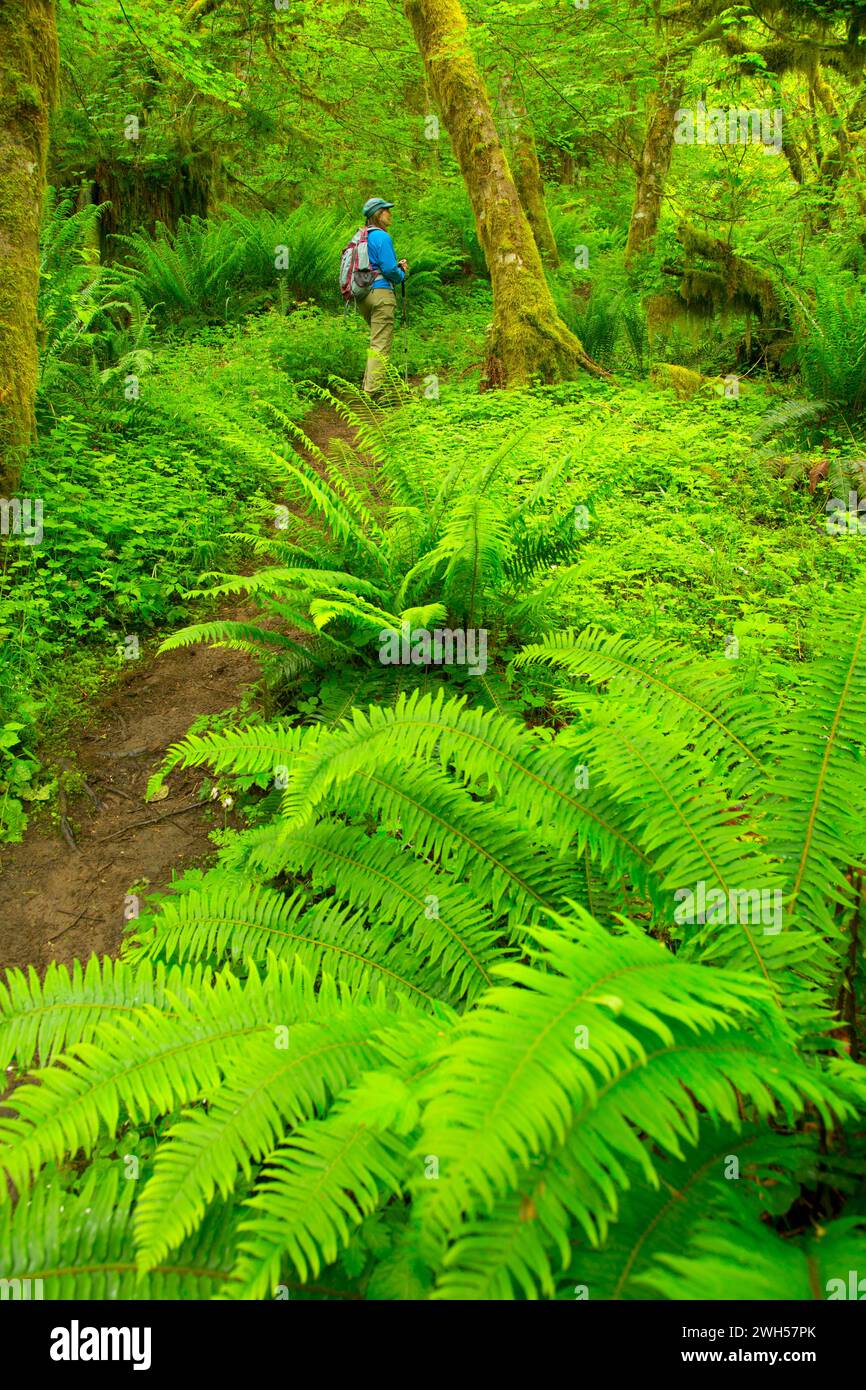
(528,339)
(523,157)
(653,166)
(843,153)
(28,80)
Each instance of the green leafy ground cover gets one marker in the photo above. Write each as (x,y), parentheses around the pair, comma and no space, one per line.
(690,532)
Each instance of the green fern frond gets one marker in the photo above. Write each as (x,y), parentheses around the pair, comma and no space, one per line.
(325,502)
(682,818)
(236,636)
(260,749)
(816,789)
(489,850)
(600,1018)
(42,1017)
(333,1173)
(444,921)
(789,417)
(225,918)
(145,1065)
(281,580)
(315,1191)
(340,484)
(749,1261)
(356,410)
(272,1085)
(79,1246)
(704,693)
(731,1173)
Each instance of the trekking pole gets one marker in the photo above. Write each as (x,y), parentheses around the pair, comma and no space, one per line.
(405,335)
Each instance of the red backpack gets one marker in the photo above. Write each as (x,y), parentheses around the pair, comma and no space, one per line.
(356,273)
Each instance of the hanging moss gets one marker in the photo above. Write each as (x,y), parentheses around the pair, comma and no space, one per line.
(140,196)
(821,21)
(785,56)
(664,310)
(847,135)
(704,287)
(735,286)
(28,81)
(729,286)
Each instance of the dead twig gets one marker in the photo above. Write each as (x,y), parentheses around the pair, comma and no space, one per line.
(152,820)
(65,827)
(97,804)
(112,790)
(130,753)
(116,714)
(82,913)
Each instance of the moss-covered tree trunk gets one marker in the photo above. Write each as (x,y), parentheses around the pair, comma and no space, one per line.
(523,157)
(528,339)
(653,166)
(28,80)
(847,131)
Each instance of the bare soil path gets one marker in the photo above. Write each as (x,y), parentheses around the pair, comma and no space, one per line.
(63,898)
(58,902)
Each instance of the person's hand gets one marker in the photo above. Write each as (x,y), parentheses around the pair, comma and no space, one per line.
(404,266)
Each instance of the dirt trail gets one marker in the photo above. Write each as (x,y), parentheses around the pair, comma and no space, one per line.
(59,900)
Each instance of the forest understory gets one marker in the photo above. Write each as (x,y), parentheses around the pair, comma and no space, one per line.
(433,764)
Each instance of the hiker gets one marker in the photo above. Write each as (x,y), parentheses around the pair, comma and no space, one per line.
(379,305)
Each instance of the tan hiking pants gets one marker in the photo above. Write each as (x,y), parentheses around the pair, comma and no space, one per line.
(378,308)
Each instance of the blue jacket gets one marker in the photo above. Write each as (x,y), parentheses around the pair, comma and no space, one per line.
(384,259)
